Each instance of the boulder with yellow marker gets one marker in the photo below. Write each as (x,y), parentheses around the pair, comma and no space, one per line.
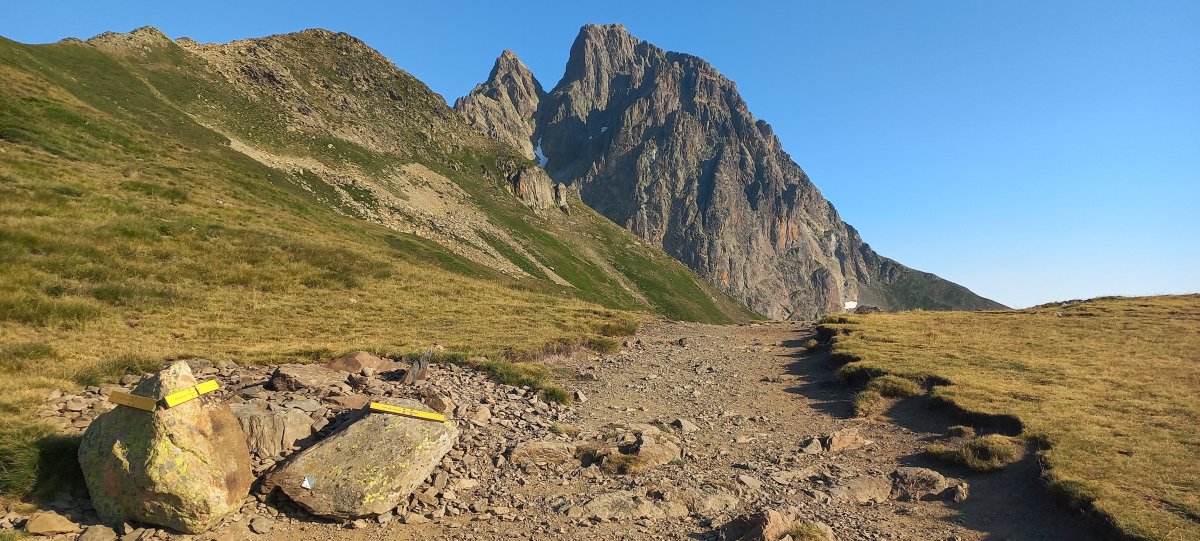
(369,467)
(185,467)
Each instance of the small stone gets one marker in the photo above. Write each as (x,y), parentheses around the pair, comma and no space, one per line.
(262,525)
(482,416)
(685,426)
(415,518)
(580,397)
(542,452)
(812,447)
(750,482)
(845,440)
(98,533)
(352,402)
(960,493)
(356,362)
(911,484)
(307,405)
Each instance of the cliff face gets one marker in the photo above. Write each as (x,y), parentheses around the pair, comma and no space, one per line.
(664,145)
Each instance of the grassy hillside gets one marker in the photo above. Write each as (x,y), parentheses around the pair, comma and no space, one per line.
(1107,386)
(134,230)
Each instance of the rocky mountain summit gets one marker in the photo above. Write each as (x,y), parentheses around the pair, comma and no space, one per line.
(505,105)
(662,144)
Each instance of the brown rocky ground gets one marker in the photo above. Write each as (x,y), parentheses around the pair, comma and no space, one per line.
(750,399)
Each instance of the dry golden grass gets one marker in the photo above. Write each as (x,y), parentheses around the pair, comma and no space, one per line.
(98,279)
(1112,386)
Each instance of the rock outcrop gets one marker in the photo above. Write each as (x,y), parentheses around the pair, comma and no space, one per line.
(368,468)
(185,467)
(504,106)
(663,144)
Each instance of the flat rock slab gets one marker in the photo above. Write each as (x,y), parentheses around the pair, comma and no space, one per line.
(50,523)
(367,468)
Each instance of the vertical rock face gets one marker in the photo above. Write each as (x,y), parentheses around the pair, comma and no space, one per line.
(504,106)
(184,468)
(663,144)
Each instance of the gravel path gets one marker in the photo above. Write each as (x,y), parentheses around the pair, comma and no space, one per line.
(756,398)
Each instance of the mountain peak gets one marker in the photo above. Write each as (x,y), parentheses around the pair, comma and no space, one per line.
(663,144)
(504,106)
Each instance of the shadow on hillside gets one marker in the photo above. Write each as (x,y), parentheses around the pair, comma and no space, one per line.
(1012,504)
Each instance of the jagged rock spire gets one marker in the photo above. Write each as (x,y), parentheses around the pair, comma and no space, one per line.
(505,105)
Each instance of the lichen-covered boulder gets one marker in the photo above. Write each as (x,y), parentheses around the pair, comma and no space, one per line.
(184,468)
(368,467)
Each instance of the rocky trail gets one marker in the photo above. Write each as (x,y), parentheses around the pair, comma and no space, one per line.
(685,430)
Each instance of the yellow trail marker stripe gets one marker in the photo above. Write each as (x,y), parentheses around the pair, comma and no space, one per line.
(407,412)
(132,400)
(191,393)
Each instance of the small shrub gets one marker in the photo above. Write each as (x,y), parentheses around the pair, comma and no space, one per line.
(984,453)
(811,344)
(960,431)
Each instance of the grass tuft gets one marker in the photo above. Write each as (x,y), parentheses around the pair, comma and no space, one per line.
(982,454)
(34,462)
(807,531)
(605,346)
(18,357)
(889,386)
(895,386)
(115,367)
(960,431)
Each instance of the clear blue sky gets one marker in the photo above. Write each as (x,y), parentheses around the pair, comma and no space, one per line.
(1030,150)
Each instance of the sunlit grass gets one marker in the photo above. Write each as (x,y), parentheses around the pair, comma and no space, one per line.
(1109,385)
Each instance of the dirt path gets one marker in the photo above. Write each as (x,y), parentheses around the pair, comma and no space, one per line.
(756,396)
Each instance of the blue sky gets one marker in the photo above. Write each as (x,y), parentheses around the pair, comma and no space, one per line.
(1030,150)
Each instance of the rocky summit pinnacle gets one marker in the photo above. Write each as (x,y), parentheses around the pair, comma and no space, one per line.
(504,106)
(664,145)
